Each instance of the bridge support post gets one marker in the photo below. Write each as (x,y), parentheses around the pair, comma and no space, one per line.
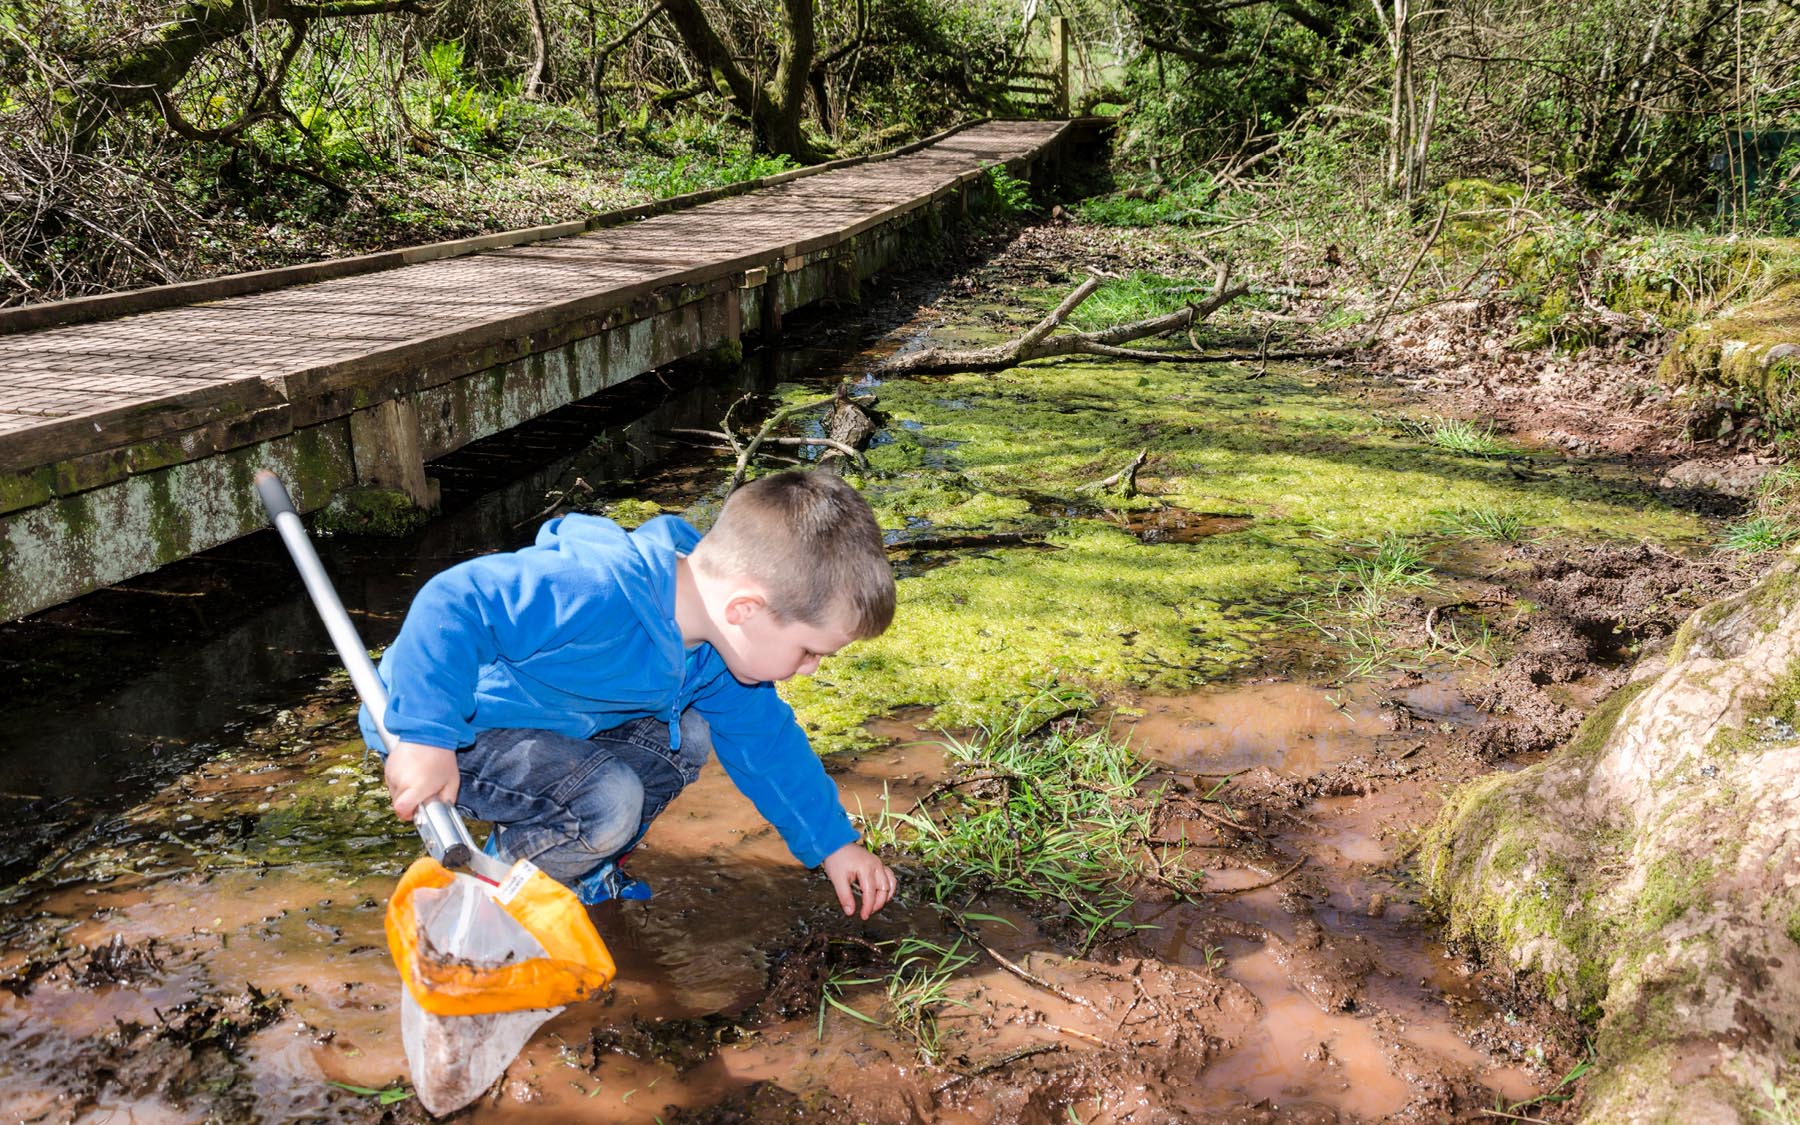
(842,283)
(386,451)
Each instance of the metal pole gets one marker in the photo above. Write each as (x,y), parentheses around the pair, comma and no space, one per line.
(446,838)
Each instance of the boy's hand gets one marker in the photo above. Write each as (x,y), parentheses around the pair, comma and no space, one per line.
(852,865)
(416,773)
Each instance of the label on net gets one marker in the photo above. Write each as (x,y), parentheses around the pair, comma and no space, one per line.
(521,872)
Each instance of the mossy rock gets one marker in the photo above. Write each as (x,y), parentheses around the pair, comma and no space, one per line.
(1751,354)
(371,511)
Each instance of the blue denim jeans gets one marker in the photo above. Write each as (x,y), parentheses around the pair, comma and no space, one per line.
(570,804)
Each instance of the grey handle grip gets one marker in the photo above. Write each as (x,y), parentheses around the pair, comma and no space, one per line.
(446,838)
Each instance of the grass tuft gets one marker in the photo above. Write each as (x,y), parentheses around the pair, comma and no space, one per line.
(1056,820)
(1761,533)
(1353,610)
(917,987)
(1482,523)
(1459,435)
(1783,1107)
(1379,566)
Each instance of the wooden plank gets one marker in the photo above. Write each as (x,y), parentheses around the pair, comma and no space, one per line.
(106,425)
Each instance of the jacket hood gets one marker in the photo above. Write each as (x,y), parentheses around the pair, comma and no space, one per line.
(642,562)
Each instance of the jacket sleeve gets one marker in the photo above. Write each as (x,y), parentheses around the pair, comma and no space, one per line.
(768,758)
(497,606)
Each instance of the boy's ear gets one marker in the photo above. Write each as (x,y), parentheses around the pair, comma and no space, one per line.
(743,605)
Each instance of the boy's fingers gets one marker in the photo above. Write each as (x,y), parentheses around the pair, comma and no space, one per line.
(877,888)
(884,892)
(841,884)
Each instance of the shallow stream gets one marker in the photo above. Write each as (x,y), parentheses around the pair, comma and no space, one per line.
(181,768)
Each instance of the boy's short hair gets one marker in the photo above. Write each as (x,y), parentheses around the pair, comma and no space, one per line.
(811,541)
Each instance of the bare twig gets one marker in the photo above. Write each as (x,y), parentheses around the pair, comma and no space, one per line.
(1021,971)
(1012,1057)
(1289,870)
(1431,616)
(1125,479)
(1424,248)
(1078,1034)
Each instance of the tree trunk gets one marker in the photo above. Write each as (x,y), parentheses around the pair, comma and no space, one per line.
(537,73)
(1648,873)
(775,107)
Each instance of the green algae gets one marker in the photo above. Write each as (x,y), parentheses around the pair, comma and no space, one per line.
(632,512)
(371,511)
(1098,608)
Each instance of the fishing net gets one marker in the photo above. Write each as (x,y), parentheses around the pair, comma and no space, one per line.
(484,966)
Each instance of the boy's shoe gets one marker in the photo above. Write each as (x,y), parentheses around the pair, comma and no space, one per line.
(609,881)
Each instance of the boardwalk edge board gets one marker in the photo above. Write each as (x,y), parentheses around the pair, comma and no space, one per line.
(92,496)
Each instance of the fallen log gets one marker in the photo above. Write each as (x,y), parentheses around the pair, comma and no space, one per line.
(1041,342)
(850,424)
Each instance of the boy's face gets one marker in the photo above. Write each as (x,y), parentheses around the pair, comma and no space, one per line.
(760,647)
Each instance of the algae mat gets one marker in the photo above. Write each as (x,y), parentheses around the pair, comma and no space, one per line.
(1303,468)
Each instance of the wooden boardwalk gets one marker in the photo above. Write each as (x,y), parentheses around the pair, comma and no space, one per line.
(87,408)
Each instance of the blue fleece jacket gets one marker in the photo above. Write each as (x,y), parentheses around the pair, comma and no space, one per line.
(577,634)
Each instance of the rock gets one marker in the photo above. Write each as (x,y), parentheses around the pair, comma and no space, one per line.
(1647,874)
(1731,476)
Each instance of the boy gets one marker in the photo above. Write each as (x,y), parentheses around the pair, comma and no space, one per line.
(567,691)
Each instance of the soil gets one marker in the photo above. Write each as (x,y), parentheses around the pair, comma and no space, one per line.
(1306,985)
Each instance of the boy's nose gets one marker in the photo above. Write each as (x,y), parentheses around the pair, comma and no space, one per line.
(807,666)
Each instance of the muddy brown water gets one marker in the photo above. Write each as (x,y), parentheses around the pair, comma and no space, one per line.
(265,992)
(728,900)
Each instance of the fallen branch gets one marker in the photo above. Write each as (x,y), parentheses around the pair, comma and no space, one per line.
(849,426)
(719,435)
(1295,866)
(1040,343)
(1126,477)
(1225,822)
(1144,355)
(967,542)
